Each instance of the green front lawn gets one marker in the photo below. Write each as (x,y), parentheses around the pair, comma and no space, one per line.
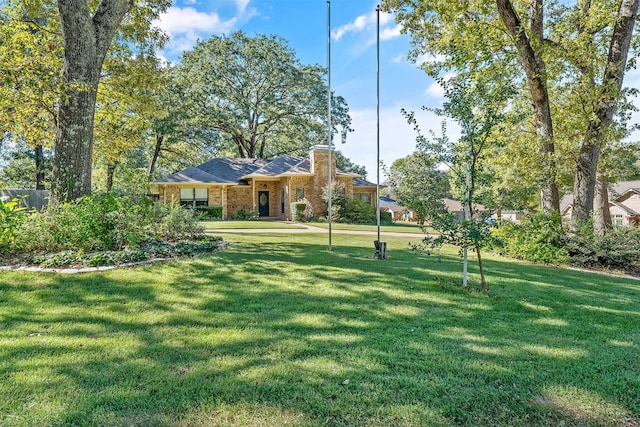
(395,228)
(250,225)
(278,331)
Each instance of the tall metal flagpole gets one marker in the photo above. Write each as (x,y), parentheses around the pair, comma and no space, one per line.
(330,130)
(378,117)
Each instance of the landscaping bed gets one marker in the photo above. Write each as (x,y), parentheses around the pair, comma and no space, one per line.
(100,230)
(145,252)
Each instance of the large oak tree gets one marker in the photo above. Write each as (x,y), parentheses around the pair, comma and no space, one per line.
(258,96)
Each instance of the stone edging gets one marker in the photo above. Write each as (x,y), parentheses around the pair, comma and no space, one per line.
(70,270)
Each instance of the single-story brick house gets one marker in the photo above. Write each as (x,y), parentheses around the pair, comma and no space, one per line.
(265,187)
(624,204)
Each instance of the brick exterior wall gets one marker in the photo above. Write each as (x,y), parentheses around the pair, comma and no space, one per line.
(170,194)
(239,198)
(215,195)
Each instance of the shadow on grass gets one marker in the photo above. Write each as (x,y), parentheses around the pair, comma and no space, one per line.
(283,332)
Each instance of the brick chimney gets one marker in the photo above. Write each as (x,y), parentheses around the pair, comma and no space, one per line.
(319,157)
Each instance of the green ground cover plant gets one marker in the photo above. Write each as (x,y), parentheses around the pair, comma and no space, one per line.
(278,331)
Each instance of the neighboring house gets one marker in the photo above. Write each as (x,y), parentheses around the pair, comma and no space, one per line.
(398,212)
(624,203)
(456,207)
(265,187)
(403,213)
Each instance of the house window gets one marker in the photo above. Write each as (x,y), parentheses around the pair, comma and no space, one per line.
(363,197)
(194,197)
(282,196)
(616,219)
(299,194)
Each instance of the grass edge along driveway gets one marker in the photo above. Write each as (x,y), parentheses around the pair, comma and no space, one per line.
(278,331)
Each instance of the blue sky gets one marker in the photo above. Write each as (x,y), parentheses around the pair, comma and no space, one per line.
(303,23)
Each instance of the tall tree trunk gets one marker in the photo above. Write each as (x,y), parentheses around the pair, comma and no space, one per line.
(156,155)
(587,163)
(534,68)
(86,40)
(601,213)
(111,170)
(39,155)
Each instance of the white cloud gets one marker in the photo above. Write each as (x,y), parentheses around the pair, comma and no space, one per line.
(367,23)
(185,25)
(428,58)
(179,21)
(399,58)
(435,89)
(390,33)
(242,6)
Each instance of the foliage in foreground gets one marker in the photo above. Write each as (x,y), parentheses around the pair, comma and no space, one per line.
(280,332)
(101,229)
(11,216)
(473,233)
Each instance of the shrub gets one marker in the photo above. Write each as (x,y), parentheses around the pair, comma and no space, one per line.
(175,222)
(11,217)
(538,237)
(147,251)
(243,214)
(618,249)
(96,222)
(386,218)
(358,212)
(105,222)
(298,210)
(215,212)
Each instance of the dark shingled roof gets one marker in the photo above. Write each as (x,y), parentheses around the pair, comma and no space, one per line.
(281,165)
(231,170)
(193,175)
(361,182)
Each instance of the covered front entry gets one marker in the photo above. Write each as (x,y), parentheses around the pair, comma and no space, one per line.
(263,203)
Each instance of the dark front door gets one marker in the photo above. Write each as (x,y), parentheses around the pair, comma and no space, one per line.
(263,203)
